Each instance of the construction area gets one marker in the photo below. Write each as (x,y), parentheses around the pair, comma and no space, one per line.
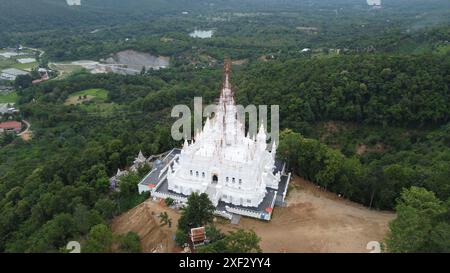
(313,221)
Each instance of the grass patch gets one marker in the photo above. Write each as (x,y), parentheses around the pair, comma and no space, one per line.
(94,95)
(94,102)
(101,109)
(98,93)
(28,66)
(8,98)
(443,49)
(6,63)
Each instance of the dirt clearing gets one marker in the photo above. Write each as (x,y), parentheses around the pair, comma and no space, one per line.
(144,220)
(318,221)
(313,221)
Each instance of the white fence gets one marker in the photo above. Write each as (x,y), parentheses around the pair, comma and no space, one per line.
(223,214)
(248,213)
(167,195)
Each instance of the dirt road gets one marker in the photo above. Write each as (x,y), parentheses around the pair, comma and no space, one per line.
(26,134)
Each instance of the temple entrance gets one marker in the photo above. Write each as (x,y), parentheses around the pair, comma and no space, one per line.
(215,179)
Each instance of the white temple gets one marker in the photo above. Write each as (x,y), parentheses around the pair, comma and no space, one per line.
(223,162)
(237,172)
(138,163)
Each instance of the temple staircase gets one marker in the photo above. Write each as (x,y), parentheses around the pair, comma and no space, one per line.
(212,193)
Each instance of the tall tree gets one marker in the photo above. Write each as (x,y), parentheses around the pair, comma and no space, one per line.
(100,240)
(199,211)
(422,223)
(240,241)
(130,243)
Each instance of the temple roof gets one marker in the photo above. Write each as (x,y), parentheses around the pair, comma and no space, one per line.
(223,136)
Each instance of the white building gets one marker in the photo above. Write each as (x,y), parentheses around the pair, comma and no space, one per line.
(374,3)
(223,162)
(11,74)
(237,172)
(26,60)
(115,180)
(139,162)
(305,50)
(8,55)
(73,2)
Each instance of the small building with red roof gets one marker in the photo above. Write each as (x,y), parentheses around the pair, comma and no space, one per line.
(11,126)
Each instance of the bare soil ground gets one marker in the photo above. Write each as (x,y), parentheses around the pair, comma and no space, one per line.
(313,221)
(240,62)
(144,220)
(26,136)
(318,221)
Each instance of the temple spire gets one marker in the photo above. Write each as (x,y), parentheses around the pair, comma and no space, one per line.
(261,129)
(227,94)
(227,73)
(261,138)
(141,155)
(273,151)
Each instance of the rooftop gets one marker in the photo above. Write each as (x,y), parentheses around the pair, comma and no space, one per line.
(26,60)
(14,71)
(152,179)
(198,235)
(11,125)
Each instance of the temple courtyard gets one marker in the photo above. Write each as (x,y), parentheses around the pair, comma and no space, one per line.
(313,221)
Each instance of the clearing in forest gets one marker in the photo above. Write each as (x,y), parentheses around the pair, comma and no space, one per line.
(318,221)
(10,97)
(87,95)
(314,221)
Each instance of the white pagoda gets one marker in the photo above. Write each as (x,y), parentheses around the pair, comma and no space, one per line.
(223,162)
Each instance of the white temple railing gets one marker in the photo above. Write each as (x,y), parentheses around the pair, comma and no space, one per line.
(167,195)
(223,214)
(245,212)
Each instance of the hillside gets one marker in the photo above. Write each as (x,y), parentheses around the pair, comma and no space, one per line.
(76,148)
(143,220)
(314,221)
(364,113)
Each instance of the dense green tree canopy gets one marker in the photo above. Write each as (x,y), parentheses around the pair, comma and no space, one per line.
(240,241)
(422,223)
(198,212)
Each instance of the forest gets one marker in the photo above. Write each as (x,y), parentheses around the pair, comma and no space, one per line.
(243,29)
(370,123)
(76,149)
